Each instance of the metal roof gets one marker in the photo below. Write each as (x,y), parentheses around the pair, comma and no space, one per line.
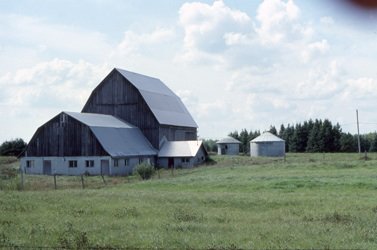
(228,140)
(118,138)
(267,137)
(180,148)
(166,106)
(99,120)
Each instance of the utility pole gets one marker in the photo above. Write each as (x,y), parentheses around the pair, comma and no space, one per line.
(358,132)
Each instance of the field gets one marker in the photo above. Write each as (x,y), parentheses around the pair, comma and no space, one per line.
(311,201)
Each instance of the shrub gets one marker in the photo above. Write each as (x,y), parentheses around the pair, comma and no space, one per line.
(144,170)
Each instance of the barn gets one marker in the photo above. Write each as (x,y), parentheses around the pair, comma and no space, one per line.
(267,144)
(144,102)
(185,154)
(228,146)
(128,119)
(78,143)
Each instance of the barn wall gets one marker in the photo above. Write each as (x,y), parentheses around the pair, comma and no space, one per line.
(60,165)
(118,97)
(64,136)
(122,169)
(269,149)
(175,133)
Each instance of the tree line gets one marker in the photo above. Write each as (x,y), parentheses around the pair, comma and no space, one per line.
(310,136)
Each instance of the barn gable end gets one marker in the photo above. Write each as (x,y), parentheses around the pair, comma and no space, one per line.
(146,103)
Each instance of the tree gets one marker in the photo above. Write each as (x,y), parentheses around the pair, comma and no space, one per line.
(210,145)
(373,144)
(273,130)
(347,143)
(244,139)
(13,147)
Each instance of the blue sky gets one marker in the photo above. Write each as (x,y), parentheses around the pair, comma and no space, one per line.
(235,64)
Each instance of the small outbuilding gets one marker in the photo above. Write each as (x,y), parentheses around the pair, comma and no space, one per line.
(267,144)
(186,154)
(228,146)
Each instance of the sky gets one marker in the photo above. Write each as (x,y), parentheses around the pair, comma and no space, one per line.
(235,64)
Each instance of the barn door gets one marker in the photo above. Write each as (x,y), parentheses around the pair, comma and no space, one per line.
(105,167)
(171,162)
(47,167)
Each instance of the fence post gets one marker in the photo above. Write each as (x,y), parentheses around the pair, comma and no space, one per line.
(55,182)
(82,181)
(22,178)
(103,179)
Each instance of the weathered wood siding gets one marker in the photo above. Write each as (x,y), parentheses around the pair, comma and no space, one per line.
(118,97)
(174,133)
(67,137)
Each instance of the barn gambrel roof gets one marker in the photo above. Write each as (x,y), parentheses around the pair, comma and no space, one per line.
(166,106)
(118,138)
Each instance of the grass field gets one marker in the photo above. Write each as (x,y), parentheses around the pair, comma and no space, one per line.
(309,201)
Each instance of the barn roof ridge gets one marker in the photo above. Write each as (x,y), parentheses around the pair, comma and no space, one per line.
(166,106)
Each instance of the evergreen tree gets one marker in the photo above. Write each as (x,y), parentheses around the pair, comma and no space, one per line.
(373,144)
(347,143)
(244,139)
(273,130)
(313,138)
(13,147)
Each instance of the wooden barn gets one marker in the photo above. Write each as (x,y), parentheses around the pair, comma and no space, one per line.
(144,102)
(77,143)
(126,120)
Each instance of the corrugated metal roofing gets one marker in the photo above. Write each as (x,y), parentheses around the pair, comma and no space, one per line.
(118,138)
(166,106)
(228,140)
(180,148)
(267,137)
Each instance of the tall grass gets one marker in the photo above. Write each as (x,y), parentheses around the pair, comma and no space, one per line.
(318,201)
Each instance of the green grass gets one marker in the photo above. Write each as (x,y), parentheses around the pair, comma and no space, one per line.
(321,201)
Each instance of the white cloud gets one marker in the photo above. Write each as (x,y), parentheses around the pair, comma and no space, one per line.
(314,49)
(39,35)
(31,96)
(207,27)
(278,21)
(135,43)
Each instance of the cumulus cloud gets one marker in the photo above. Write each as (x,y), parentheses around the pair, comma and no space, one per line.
(277,21)
(56,84)
(135,43)
(39,35)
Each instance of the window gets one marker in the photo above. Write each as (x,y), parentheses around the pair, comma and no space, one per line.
(88,163)
(29,163)
(126,162)
(116,163)
(185,160)
(72,164)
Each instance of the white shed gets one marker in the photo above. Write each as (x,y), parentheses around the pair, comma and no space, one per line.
(267,144)
(228,146)
(186,154)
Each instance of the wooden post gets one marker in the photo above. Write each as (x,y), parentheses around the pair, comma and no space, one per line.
(55,182)
(22,178)
(82,181)
(358,132)
(103,179)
